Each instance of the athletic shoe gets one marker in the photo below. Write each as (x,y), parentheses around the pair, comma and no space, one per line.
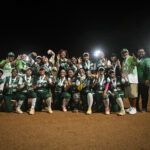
(107,111)
(50,110)
(132,111)
(121,113)
(32,111)
(19,111)
(128,109)
(64,108)
(89,111)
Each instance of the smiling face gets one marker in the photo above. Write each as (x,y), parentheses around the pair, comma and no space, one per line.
(125,54)
(14,72)
(112,75)
(113,58)
(74,60)
(82,72)
(101,72)
(71,73)
(11,58)
(63,54)
(86,57)
(29,73)
(141,53)
(42,72)
(62,73)
(45,59)
(38,60)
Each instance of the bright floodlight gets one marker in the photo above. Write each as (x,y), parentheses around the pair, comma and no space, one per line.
(97,53)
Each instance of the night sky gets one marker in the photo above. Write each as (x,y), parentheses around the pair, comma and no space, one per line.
(38,27)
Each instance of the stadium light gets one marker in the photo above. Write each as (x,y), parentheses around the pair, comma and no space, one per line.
(97,53)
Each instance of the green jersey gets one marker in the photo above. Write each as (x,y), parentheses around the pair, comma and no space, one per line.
(88,66)
(42,83)
(12,83)
(7,68)
(143,70)
(100,85)
(30,80)
(86,84)
(63,64)
(116,84)
(74,83)
(59,85)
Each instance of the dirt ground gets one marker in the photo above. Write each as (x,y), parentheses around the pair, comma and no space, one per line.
(70,131)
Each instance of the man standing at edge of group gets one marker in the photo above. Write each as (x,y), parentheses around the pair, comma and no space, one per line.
(129,70)
(144,79)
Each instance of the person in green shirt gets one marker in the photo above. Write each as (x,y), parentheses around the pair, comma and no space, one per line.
(87,64)
(12,92)
(61,96)
(101,94)
(42,90)
(75,94)
(85,87)
(62,61)
(116,91)
(27,90)
(8,64)
(143,68)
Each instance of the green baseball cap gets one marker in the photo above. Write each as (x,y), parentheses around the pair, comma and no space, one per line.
(124,50)
(11,54)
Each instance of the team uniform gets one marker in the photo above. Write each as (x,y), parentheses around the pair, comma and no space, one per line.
(63,64)
(43,93)
(115,87)
(99,91)
(59,93)
(75,94)
(88,66)
(11,93)
(27,93)
(86,88)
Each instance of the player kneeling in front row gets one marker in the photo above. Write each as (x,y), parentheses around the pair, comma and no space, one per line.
(27,90)
(100,92)
(61,96)
(12,92)
(42,90)
(115,90)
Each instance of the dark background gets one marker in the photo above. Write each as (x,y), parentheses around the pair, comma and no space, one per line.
(39,26)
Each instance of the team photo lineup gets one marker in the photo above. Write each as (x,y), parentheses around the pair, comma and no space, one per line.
(57,82)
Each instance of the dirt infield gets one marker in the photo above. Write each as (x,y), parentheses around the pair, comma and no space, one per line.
(69,131)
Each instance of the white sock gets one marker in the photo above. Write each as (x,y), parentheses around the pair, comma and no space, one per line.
(33,103)
(20,102)
(106,103)
(48,101)
(90,100)
(120,103)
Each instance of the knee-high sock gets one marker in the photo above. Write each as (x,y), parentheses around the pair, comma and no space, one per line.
(90,100)
(106,103)
(33,103)
(48,101)
(20,102)
(120,103)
